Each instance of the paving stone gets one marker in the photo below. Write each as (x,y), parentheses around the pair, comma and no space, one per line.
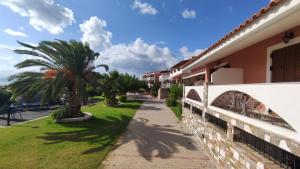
(155,139)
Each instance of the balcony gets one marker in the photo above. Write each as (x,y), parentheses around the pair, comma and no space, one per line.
(273,106)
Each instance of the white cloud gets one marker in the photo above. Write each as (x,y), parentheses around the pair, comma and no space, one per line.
(137,57)
(95,34)
(144,8)
(2,46)
(42,14)
(186,54)
(189,14)
(14,33)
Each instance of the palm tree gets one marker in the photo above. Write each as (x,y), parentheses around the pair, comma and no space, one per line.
(110,85)
(66,67)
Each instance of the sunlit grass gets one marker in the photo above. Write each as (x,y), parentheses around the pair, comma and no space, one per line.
(44,144)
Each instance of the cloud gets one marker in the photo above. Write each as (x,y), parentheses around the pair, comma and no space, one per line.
(2,46)
(137,57)
(14,33)
(189,14)
(42,14)
(95,34)
(144,8)
(186,54)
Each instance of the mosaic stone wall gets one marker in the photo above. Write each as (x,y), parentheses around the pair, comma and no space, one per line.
(220,144)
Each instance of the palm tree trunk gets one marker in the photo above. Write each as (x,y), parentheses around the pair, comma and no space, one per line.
(74,104)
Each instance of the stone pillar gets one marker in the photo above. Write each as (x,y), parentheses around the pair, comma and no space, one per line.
(230,132)
(205,99)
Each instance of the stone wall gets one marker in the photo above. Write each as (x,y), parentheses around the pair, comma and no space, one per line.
(220,143)
(226,152)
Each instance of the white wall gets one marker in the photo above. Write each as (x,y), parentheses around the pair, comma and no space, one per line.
(282,98)
(163,77)
(199,90)
(227,76)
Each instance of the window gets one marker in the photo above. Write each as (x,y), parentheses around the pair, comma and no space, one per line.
(272,152)
(221,124)
(197,111)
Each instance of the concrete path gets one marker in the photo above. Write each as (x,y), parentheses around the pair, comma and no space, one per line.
(156,140)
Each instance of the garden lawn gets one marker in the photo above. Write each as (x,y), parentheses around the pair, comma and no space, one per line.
(177,110)
(44,144)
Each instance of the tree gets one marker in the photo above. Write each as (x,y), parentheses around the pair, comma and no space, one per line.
(65,67)
(5,103)
(154,89)
(110,85)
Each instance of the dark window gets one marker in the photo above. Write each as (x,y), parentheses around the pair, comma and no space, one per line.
(186,105)
(221,124)
(272,152)
(197,111)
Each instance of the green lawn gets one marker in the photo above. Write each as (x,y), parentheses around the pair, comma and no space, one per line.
(44,144)
(177,110)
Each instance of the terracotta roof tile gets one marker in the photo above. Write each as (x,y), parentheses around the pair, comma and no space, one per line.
(249,21)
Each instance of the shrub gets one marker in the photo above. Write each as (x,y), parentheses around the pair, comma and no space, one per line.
(175,93)
(60,113)
(171,102)
(123,98)
(111,101)
(154,89)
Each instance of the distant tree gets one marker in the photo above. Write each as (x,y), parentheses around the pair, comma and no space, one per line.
(154,89)
(5,103)
(109,84)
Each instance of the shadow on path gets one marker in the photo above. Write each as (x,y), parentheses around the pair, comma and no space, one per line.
(156,140)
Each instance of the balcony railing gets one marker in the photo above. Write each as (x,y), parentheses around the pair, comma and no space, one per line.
(273,105)
(194,94)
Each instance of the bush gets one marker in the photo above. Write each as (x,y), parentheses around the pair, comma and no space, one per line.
(154,89)
(122,98)
(60,113)
(111,101)
(175,93)
(171,102)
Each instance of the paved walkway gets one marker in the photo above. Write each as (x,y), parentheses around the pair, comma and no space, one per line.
(156,140)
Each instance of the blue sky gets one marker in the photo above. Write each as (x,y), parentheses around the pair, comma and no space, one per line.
(132,36)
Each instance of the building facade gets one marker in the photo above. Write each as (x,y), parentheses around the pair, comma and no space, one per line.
(241,94)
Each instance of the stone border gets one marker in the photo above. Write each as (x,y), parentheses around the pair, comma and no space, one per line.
(86,116)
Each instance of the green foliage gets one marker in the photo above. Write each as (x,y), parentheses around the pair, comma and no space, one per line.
(170,101)
(123,98)
(93,91)
(177,110)
(66,69)
(4,96)
(175,93)
(115,83)
(154,89)
(109,84)
(130,83)
(63,112)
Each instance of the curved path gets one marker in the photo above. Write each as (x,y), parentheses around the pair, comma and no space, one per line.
(155,139)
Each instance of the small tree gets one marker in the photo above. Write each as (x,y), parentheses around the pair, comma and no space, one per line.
(154,89)
(175,93)
(109,84)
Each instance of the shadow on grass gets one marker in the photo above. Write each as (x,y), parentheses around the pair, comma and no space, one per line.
(151,140)
(101,132)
